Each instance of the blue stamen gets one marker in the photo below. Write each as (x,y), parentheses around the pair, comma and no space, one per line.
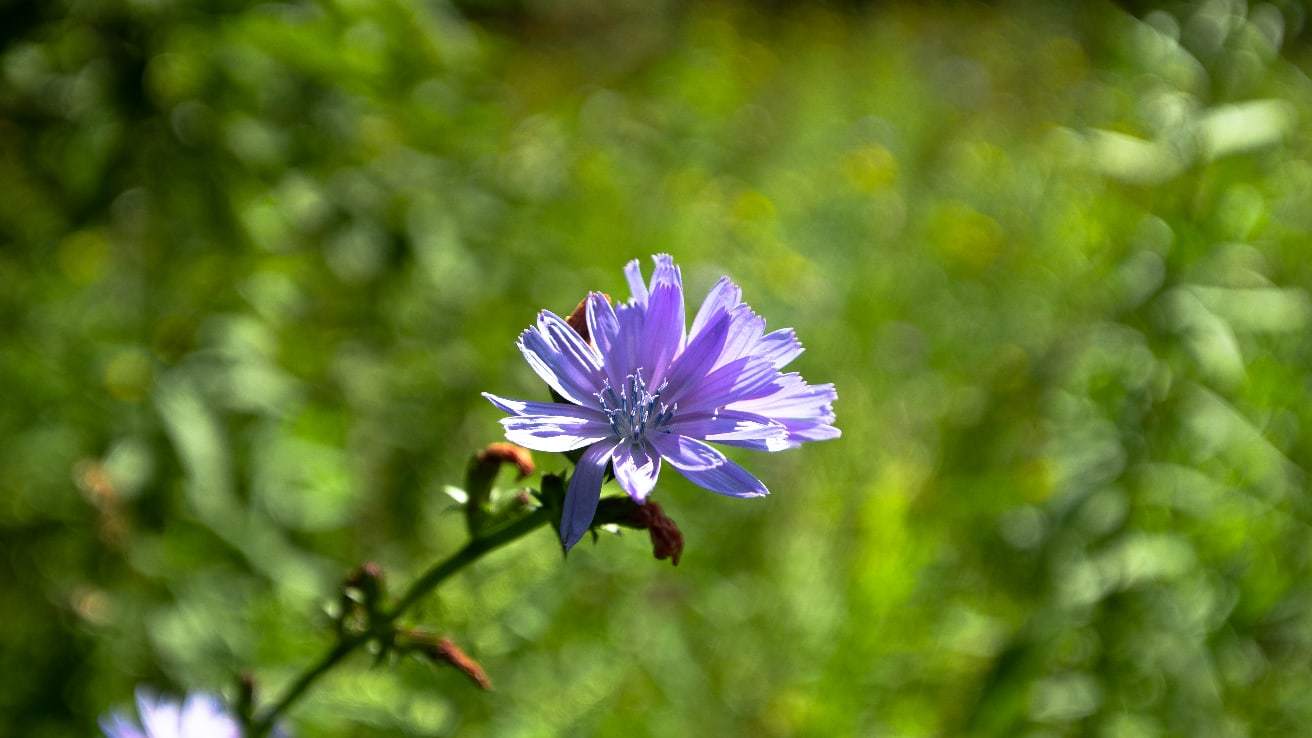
(633,411)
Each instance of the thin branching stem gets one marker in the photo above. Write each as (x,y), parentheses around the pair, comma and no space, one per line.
(426,583)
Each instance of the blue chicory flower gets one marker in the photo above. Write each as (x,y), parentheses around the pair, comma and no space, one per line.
(199,716)
(646,388)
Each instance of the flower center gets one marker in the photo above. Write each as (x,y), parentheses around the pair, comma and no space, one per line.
(632,410)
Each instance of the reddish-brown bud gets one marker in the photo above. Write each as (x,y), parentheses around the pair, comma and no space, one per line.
(483,471)
(93,478)
(367,577)
(506,453)
(666,539)
(245,697)
(445,651)
(578,320)
(361,597)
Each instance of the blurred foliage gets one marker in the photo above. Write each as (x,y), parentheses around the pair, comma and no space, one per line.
(258,260)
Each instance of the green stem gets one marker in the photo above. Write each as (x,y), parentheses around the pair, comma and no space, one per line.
(468,554)
(472,551)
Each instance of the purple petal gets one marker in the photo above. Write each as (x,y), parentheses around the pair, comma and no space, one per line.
(663,336)
(618,347)
(798,432)
(528,407)
(554,433)
(583,493)
(806,410)
(739,380)
(204,716)
(769,445)
(562,360)
(118,725)
(706,467)
(810,430)
(791,397)
(779,347)
(601,320)
(725,295)
(633,273)
(690,368)
(159,716)
(603,326)
(626,355)
(636,469)
(728,425)
(569,342)
(745,331)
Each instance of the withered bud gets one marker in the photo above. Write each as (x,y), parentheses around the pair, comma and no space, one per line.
(578,320)
(94,480)
(448,651)
(245,695)
(666,539)
(368,578)
(445,651)
(482,472)
(361,596)
(506,453)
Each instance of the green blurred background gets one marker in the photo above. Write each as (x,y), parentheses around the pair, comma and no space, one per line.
(258,259)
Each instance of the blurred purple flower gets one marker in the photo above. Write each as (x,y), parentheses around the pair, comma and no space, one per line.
(199,716)
(647,388)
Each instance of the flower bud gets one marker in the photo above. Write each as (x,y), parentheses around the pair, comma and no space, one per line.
(482,470)
(578,320)
(361,597)
(444,651)
(245,704)
(666,538)
(368,579)
(507,453)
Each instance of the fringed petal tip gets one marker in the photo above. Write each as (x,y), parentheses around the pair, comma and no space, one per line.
(637,286)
